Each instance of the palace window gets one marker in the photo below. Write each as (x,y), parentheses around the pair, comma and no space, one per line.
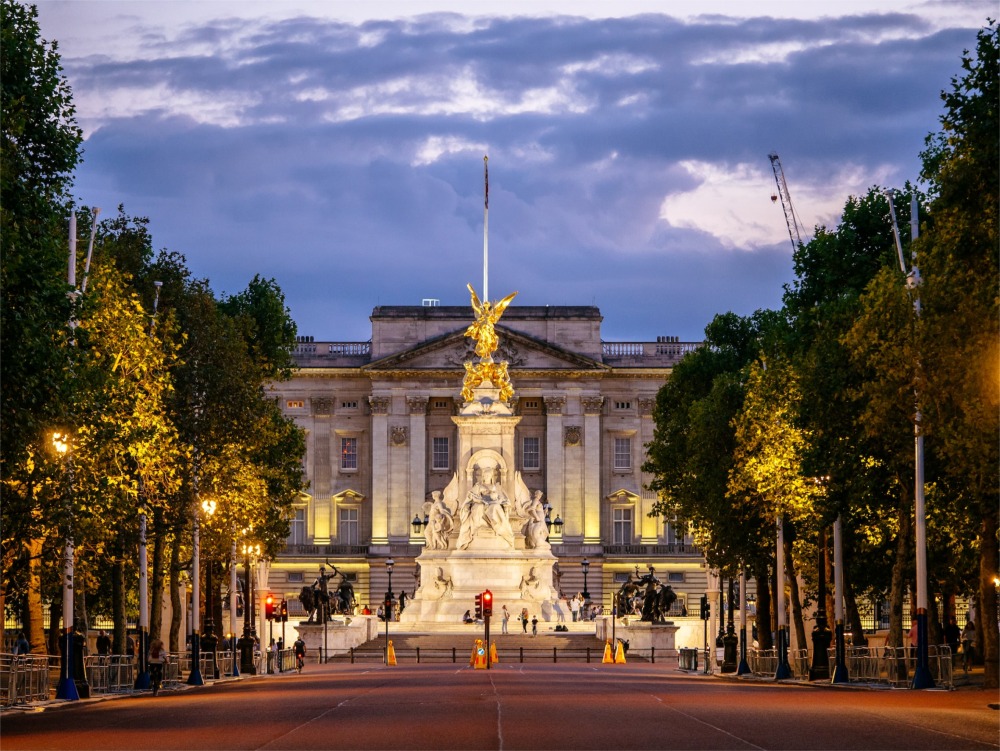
(347,530)
(623,405)
(623,453)
(297,528)
(349,405)
(440,455)
(530,457)
(295,577)
(621,526)
(295,404)
(348,453)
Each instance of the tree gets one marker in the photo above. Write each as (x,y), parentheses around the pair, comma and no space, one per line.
(959,337)
(40,143)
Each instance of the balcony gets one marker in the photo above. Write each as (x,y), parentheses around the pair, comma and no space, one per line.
(646,354)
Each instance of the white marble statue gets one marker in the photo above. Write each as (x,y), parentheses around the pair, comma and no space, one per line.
(485,507)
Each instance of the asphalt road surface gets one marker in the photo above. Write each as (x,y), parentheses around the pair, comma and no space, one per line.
(512,706)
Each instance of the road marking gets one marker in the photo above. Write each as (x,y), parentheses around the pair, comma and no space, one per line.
(496,696)
(706,724)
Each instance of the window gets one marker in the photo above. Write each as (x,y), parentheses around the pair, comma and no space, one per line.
(348,528)
(296,576)
(297,527)
(440,404)
(621,526)
(623,405)
(623,453)
(295,404)
(348,453)
(440,454)
(530,458)
(349,405)
(675,576)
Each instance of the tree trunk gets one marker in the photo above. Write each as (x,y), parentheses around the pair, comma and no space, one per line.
(55,626)
(986,613)
(899,571)
(34,621)
(794,599)
(858,638)
(156,578)
(118,602)
(175,594)
(763,620)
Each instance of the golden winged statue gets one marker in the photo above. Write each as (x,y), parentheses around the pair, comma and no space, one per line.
(484,333)
(486,317)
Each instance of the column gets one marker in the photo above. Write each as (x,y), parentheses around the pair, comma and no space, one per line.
(380,469)
(319,525)
(555,460)
(649,526)
(418,458)
(592,407)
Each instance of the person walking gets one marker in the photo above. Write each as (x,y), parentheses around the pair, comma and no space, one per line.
(21,646)
(968,644)
(953,638)
(157,659)
(505,615)
(524,619)
(103,644)
(299,648)
(534,625)
(574,606)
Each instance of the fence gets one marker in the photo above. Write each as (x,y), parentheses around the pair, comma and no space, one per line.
(110,674)
(23,679)
(890,666)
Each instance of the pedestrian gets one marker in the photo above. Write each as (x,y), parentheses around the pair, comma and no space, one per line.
(574,607)
(130,646)
(299,647)
(21,646)
(524,619)
(953,637)
(534,625)
(157,659)
(968,644)
(505,614)
(103,644)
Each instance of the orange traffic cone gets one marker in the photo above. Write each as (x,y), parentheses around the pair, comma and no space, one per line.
(390,655)
(608,659)
(479,655)
(620,653)
(493,653)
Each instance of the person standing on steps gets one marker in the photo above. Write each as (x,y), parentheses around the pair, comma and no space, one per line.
(524,619)
(505,615)
(534,625)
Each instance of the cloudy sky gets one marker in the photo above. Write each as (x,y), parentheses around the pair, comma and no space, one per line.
(337,147)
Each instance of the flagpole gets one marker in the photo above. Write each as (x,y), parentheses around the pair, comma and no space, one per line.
(486,230)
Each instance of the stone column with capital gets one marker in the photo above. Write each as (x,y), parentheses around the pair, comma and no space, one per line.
(555,467)
(380,464)
(649,528)
(321,523)
(418,458)
(592,408)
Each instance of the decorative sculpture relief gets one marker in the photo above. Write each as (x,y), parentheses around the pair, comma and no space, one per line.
(398,435)
(572,435)
(321,405)
(379,404)
(646,404)
(417,404)
(485,507)
(592,405)
(554,405)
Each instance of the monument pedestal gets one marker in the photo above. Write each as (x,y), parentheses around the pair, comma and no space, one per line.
(341,634)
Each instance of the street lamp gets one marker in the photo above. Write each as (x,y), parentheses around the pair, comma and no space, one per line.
(821,635)
(585,565)
(195,677)
(67,685)
(388,606)
(209,639)
(250,551)
(418,524)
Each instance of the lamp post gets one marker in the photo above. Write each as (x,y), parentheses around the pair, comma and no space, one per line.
(729,640)
(388,606)
(821,636)
(194,677)
(232,607)
(585,565)
(743,668)
(66,688)
(246,641)
(783,669)
(209,640)
(840,674)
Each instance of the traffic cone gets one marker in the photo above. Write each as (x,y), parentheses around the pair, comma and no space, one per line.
(620,653)
(493,653)
(608,659)
(479,655)
(390,657)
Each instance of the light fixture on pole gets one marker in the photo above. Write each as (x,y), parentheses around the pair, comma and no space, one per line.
(66,689)
(585,565)
(232,608)
(246,642)
(388,606)
(195,677)
(209,640)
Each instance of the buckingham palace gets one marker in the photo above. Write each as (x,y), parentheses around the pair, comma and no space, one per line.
(380,421)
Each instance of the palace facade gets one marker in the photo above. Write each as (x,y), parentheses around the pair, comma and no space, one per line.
(380,439)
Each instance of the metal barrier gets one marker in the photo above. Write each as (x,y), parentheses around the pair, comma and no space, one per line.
(110,674)
(687,659)
(23,679)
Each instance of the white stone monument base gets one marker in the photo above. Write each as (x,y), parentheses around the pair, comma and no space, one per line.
(342,633)
(641,636)
(451,579)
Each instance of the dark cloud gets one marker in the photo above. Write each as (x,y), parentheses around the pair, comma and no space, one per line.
(345,161)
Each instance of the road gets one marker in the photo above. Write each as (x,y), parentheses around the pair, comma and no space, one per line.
(530,706)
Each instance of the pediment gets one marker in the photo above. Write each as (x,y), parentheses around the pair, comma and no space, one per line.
(450,351)
(623,496)
(348,496)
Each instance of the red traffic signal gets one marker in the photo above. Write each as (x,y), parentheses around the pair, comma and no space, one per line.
(479,606)
(269,607)
(487,603)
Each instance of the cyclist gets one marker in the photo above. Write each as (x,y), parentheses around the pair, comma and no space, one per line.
(300,653)
(157,658)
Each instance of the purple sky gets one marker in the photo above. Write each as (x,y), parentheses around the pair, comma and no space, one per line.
(338,147)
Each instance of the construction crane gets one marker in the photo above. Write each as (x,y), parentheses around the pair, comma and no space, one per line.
(786,201)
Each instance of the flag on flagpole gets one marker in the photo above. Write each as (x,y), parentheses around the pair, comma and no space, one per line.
(486,175)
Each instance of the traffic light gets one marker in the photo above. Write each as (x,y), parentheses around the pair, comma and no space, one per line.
(284,611)
(269,607)
(487,603)
(706,608)
(479,606)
